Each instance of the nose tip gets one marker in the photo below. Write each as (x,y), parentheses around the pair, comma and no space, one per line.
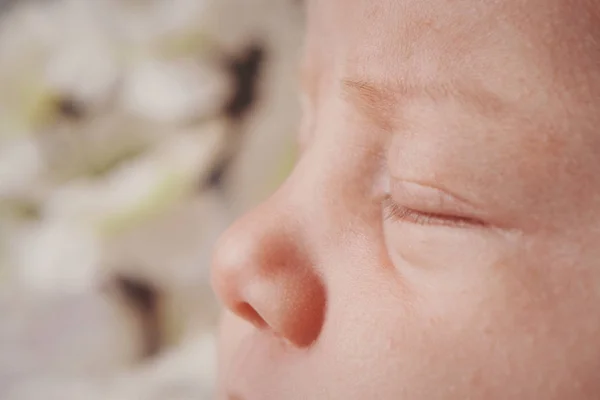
(262,274)
(229,277)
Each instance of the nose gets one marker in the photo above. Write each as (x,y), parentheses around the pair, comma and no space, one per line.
(263,272)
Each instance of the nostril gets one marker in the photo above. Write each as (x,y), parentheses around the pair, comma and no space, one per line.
(247,312)
(263,273)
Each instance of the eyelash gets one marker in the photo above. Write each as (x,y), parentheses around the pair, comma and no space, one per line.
(396,212)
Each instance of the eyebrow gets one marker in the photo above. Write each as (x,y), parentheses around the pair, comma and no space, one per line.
(376,102)
(380,102)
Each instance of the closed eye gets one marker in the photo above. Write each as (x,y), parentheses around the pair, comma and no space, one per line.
(397,212)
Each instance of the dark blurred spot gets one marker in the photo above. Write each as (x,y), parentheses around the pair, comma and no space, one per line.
(245,71)
(217,174)
(69,108)
(7,5)
(28,210)
(144,299)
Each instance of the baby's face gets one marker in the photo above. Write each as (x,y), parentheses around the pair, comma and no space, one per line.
(440,235)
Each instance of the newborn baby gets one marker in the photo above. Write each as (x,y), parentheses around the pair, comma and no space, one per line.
(439,237)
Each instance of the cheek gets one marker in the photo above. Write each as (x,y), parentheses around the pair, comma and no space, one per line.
(476,318)
(440,344)
(397,343)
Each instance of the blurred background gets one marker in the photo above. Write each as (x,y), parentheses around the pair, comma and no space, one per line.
(132,132)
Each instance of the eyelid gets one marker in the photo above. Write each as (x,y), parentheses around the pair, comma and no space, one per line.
(399,212)
(431,199)
(427,205)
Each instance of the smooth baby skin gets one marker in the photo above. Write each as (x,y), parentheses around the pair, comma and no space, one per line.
(439,236)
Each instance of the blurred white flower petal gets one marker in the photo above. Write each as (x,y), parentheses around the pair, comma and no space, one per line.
(147,184)
(174,92)
(181,239)
(57,335)
(20,166)
(85,69)
(58,257)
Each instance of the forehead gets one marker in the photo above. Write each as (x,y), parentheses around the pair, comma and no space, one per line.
(531,56)
(423,40)
(495,59)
